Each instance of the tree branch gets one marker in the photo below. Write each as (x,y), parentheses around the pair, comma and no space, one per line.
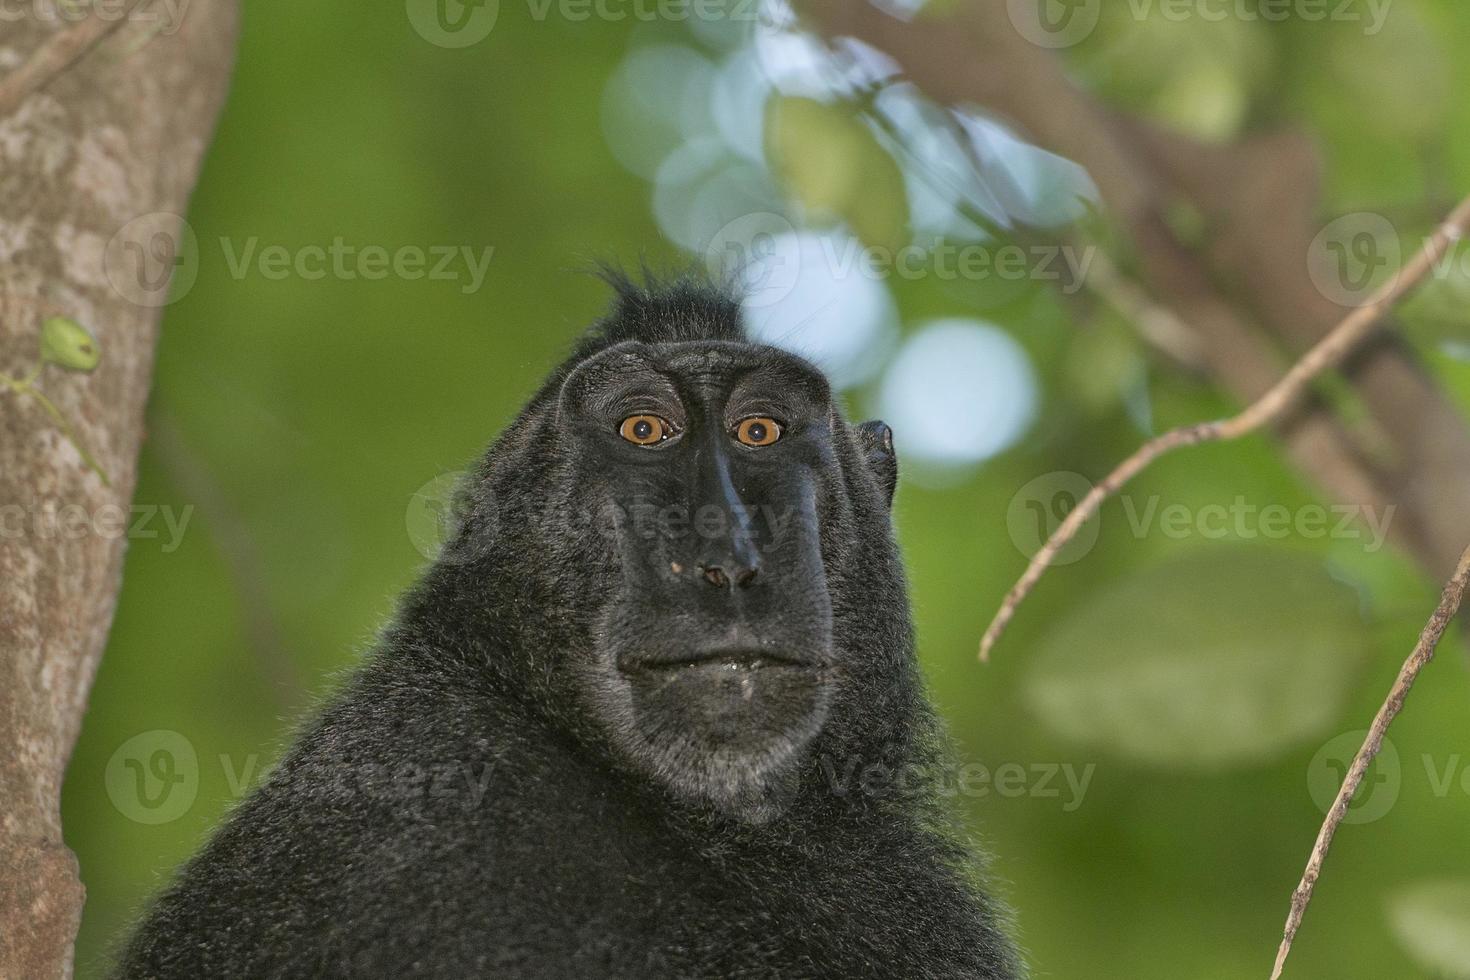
(1261,198)
(973,54)
(1449,604)
(1270,407)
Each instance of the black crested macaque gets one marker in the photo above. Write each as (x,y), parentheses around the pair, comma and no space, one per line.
(653,714)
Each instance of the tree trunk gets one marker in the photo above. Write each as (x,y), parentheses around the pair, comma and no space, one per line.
(104,121)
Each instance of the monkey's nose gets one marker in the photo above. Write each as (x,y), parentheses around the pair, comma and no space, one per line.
(721,576)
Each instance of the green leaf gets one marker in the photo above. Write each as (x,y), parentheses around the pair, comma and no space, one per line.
(1206,100)
(831,163)
(1229,655)
(1432,922)
(1398,82)
(66,343)
(1103,365)
(1198,74)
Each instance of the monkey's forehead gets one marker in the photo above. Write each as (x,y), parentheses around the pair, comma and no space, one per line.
(711,355)
(707,358)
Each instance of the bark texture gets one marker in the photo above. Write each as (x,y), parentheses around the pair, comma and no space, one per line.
(102,120)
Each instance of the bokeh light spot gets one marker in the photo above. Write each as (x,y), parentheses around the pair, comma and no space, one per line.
(828,307)
(959,392)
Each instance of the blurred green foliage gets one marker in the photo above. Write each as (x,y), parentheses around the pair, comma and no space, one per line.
(295,418)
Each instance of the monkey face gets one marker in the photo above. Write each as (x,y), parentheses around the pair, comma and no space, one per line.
(713,468)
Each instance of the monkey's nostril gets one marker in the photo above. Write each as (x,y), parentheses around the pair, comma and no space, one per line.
(717,576)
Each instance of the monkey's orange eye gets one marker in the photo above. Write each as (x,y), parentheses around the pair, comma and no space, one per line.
(645,430)
(758,431)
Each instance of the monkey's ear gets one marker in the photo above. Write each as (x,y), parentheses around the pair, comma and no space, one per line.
(875,439)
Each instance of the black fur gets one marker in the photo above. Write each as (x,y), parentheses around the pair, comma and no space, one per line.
(602,740)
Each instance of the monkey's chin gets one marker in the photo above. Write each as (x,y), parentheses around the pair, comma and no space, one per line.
(726,733)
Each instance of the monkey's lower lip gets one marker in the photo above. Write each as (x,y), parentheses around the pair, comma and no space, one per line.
(737,659)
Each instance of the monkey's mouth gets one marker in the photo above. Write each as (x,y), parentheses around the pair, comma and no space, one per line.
(727,697)
(725,722)
(714,660)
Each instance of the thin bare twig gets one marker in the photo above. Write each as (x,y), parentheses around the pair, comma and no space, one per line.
(1449,603)
(1271,406)
(58,53)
